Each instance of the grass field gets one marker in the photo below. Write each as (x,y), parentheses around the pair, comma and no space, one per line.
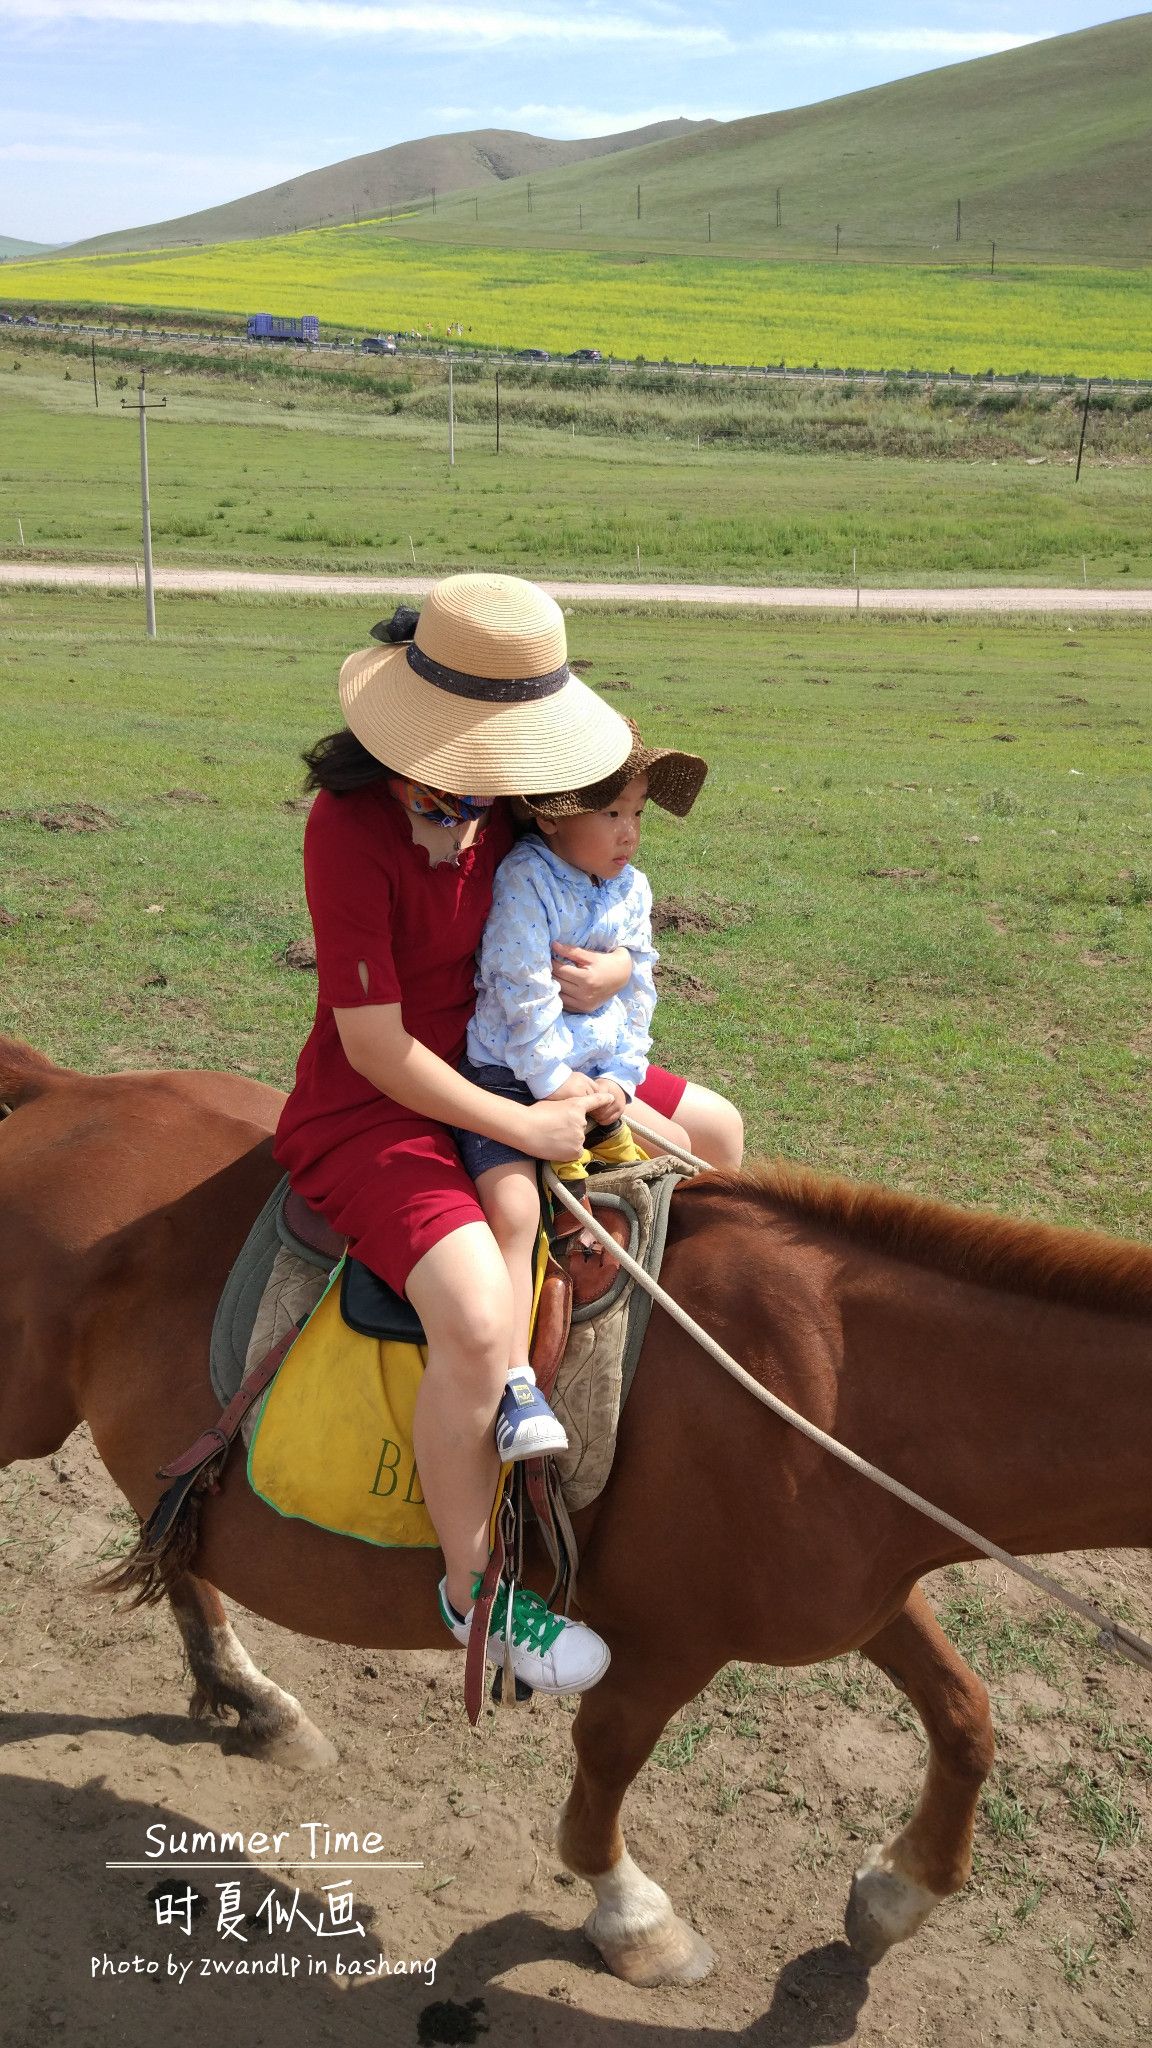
(1075,321)
(909,923)
(304,473)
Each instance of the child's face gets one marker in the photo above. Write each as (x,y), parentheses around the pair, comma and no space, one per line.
(601,843)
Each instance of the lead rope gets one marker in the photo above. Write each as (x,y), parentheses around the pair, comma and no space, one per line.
(1113,1635)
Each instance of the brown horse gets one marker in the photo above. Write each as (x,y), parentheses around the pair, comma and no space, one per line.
(1003,1369)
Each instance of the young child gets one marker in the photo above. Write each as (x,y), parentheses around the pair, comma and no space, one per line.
(568,882)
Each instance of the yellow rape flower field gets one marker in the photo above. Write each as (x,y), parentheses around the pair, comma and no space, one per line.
(1042,319)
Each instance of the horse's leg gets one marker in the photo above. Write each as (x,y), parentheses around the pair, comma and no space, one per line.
(270,1724)
(898,1885)
(634,1927)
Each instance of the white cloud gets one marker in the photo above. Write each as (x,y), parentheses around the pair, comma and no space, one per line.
(576,124)
(896,42)
(440,25)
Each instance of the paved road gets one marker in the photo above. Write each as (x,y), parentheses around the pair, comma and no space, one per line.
(1001,598)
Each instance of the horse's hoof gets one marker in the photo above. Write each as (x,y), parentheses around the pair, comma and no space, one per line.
(637,1933)
(884,1907)
(299,1748)
(672,1953)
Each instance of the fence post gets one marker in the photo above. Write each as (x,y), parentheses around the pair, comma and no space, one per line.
(1083,431)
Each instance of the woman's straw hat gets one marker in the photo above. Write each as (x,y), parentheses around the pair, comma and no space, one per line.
(674,782)
(479,698)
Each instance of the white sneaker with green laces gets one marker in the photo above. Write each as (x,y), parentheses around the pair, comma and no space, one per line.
(548,1653)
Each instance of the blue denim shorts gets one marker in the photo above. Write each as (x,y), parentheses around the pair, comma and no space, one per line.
(479,1153)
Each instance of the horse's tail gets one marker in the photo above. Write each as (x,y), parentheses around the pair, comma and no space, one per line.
(24,1073)
(167,1542)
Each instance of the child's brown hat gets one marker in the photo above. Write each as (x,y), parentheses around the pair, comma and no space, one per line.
(674,782)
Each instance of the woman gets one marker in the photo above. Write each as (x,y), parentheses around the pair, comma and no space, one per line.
(398,870)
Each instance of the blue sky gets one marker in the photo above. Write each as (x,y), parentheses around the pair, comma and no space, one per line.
(116,112)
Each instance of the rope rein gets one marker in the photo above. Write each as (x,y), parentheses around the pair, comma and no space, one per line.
(1113,1635)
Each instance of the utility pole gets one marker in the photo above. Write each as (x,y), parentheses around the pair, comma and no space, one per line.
(957,220)
(497,412)
(993,259)
(95,386)
(529,195)
(837,238)
(433,198)
(1083,431)
(141,406)
(476,204)
(451,419)
(777,205)
(637,202)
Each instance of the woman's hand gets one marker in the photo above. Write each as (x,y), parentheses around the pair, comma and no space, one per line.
(589,980)
(554,1129)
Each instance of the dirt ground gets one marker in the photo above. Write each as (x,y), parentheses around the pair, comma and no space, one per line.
(751,1815)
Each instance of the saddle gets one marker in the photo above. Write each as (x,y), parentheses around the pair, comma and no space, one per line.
(581,1278)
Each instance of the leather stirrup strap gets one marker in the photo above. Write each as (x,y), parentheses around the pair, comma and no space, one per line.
(200,1465)
(553,1323)
(223,1430)
(475,1656)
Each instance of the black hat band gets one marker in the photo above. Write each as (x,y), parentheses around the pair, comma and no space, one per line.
(458,683)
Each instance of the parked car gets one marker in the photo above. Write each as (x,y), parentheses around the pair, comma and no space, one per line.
(28,320)
(378,345)
(585,355)
(7,320)
(533,355)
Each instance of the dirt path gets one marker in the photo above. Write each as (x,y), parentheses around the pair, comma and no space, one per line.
(999,598)
(752,1814)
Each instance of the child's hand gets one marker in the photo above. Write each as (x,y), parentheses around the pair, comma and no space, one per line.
(614,1107)
(588,980)
(576,1084)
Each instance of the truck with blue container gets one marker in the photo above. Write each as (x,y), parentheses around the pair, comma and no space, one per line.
(282,327)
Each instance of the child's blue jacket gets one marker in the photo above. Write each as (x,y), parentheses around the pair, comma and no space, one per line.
(538,902)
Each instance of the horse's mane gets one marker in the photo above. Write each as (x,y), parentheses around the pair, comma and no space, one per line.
(1081,1267)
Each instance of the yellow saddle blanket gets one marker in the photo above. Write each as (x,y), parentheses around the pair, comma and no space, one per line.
(332,1441)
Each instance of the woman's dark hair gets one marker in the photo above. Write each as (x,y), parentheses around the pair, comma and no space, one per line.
(340,763)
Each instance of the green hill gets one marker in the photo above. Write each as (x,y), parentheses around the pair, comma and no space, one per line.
(11,247)
(1048,148)
(364,186)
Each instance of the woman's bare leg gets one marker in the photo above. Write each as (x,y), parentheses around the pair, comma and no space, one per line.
(463,1296)
(510,1200)
(714,1125)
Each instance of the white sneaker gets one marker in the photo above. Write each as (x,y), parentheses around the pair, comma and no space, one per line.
(525,1424)
(549,1653)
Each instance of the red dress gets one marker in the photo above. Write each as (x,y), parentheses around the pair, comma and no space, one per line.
(387,1179)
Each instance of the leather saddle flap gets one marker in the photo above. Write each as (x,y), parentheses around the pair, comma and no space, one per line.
(373,1309)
